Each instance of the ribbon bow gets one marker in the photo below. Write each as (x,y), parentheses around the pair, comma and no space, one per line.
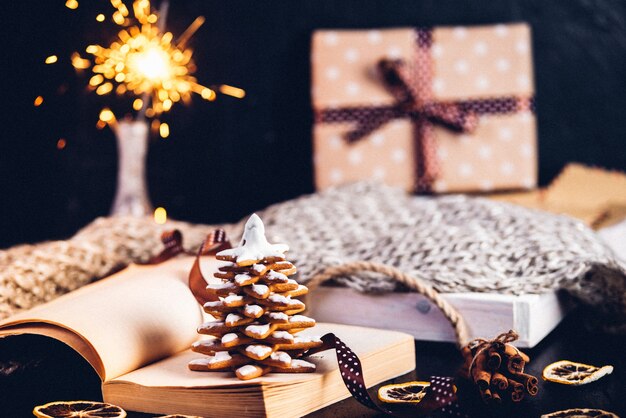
(412,88)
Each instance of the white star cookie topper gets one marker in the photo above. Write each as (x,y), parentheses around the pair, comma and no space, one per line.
(254,246)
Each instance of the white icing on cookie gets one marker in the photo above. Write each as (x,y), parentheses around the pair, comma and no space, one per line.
(260,289)
(233,298)
(281,356)
(282,335)
(246,370)
(254,245)
(276,276)
(259,350)
(219,357)
(219,286)
(279,316)
(258,329)
(253,310)
(301,318)
(297,364)
(276,298)
(258,268)
(226,338)
(232,318)
(240,279)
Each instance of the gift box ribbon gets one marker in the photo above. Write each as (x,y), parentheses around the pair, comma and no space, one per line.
(412,89)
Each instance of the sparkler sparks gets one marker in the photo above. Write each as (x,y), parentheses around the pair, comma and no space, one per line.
(146,62)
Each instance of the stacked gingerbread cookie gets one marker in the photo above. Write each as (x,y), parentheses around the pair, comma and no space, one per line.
(257,312)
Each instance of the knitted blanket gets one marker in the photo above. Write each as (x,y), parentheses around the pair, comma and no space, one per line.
(456,243)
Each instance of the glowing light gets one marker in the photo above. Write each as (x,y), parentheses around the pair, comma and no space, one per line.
(80,63)
(51,59)
(71,4)
(160,215)
(107,116)
(137,104)
(146,63)
(118,18)
(208,94)
(38,101)
(153,64)
(61,143)
(164,130)
(104,89)
(232,91)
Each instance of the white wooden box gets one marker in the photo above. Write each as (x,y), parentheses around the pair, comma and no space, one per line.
(487,315)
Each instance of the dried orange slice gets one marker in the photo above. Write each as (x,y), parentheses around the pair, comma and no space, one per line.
(409,392)
(580,413)
(78,409)
(571,373)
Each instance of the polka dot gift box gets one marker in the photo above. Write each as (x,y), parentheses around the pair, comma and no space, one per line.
(429,109)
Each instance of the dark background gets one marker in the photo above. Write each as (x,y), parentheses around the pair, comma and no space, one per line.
(228,158)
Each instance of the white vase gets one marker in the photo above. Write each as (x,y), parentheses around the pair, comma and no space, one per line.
(131,195)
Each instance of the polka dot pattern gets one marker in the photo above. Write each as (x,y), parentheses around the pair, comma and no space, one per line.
(456,80)
(351,372)
(440,398)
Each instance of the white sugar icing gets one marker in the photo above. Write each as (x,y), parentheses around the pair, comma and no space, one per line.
(281,356)
(233,298)
(280,316)
(258,329)
(258,268)
(276,298)
(301,318)
(259,350)
(231,336)
(219,286)
(297,363)
(232,318)
(240,279)
(274,275)
(282,335)
(254,245)
(247,369)
(260,289)
(204,361)
(219,356)
(253,310)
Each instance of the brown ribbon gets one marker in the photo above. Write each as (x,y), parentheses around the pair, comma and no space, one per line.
(215,242)
(173,242)
(411,87)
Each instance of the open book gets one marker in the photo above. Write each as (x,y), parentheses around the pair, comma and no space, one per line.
(135,328)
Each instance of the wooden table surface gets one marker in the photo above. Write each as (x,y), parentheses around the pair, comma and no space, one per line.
(48,378)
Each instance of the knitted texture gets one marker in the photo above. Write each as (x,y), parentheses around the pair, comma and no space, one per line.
(454,243)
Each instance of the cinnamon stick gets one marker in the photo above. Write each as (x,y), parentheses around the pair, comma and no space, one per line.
(499,381)
(529,381)
(485,394)
(494,359)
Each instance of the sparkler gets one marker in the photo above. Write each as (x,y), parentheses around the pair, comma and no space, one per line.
(145,61)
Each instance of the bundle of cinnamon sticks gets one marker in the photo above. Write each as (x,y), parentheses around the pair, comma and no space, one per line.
(497,368)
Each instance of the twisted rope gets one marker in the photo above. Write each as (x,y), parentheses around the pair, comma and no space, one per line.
(418,285)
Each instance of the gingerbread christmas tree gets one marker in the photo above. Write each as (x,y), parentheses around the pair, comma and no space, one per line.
(257,312)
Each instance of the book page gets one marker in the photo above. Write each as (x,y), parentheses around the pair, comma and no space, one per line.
(134,317)
(173,371)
